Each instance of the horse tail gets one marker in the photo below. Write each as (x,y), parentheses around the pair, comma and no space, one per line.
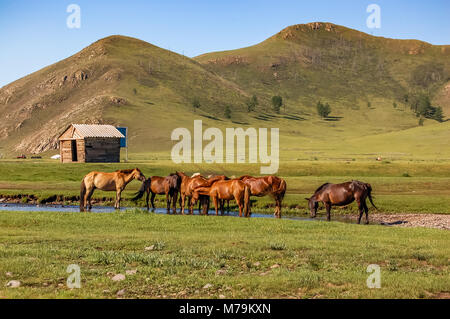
(145,185)
(82,194)
(369,194)
(282,188)
(247,201)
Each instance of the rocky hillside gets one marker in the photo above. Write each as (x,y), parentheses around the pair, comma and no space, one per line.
(124,81)
(314,61)
(114,73)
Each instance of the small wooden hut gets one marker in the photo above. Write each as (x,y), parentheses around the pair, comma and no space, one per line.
(84,143)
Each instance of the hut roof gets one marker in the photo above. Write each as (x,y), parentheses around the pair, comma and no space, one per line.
(91,130)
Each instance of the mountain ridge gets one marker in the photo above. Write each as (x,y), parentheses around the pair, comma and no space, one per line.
(117,79)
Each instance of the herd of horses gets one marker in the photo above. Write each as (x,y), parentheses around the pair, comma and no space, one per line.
(179,187)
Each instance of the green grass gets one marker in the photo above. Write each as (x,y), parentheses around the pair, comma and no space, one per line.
(424,191)
(316,259)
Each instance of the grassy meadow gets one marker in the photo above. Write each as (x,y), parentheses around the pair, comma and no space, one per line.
(399,186)
(216,257)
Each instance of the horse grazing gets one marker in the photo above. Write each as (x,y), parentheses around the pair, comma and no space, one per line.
(157,185)
(188,184)
(268,185)
(116,181)
(341,195)
(227,190)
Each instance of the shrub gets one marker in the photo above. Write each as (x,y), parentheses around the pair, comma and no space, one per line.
(277,103)
(227,112)
(323,109)
(252,103)
(196,104)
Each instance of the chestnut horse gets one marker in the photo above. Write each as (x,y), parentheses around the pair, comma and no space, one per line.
(226,190)
(188,184)
(268,185)
(157,185)
(341,195)
(116,181)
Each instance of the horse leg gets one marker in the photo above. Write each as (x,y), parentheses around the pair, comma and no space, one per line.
(279,207)
(216,203)
(174,201)
(153,200)
(119,193)
(146,201)
(222,206)
(87,198)
(168,202)
(366,210)
(182,197)
(240,205)
(361,208)
(328,208)
(191,205)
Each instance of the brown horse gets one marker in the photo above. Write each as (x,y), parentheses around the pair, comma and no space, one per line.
(157,185)
(188,184)
(116,181)
(341,195)
(227,190)
(268,185)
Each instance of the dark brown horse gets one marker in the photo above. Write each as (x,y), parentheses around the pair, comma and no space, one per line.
(188,184)
(268,185)
(341,195)
(223,190)
(116,181)
(157,185)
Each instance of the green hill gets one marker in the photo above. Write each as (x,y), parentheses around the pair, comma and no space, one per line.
(124,81)
(117,80)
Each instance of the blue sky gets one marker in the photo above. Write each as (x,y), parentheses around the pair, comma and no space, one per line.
(34,34)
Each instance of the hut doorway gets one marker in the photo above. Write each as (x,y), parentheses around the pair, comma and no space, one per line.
(74,151)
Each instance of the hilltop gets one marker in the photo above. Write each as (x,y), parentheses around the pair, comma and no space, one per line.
(125,81)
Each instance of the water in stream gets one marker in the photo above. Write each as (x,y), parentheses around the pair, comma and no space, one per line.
(109,209)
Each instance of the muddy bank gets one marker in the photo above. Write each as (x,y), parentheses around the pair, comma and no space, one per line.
(440,221)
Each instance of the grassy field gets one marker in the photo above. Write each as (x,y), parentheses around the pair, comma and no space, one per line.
(238,258)
(399,186)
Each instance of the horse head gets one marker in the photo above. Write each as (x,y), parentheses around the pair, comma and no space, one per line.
(138,175)
(313,206)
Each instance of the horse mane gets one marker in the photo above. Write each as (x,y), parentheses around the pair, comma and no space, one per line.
(321,187)
(244,176)
(126,171)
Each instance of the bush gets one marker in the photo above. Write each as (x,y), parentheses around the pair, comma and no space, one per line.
(227,112)
(323,109)
(196,104)
(277,103)
(252,103)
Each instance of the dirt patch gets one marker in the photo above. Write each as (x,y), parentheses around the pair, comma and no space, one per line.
(439,221)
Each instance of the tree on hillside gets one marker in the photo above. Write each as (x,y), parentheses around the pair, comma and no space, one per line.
(227,112)
(421,120)
(252,103)
(394,105)
(277,103)
(323,109)
(196,104)
(369,105)
(421,105)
